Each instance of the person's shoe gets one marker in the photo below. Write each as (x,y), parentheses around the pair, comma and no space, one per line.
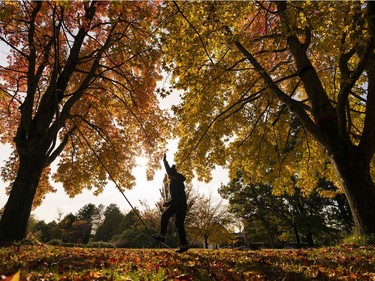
(183,249)
(159,238)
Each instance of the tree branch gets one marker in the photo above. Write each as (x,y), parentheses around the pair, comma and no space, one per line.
(367,142)
(26,108)
(196,31)
(52,155)
(293,105)
(321,107)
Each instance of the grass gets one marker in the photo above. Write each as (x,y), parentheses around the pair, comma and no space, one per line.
(344,262)
(360,240)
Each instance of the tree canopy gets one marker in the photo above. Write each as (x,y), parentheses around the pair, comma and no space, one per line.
(283,91)
(78,87)
(229,114)
(82,75)
(277,90)
(271,218)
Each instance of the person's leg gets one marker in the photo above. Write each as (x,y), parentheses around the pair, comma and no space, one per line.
(168,213)
(180,220)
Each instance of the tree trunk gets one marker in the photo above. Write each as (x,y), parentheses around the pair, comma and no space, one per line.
(267,227)
(309,239)
(296,234)
(13,223)
(345,213)
(359,188)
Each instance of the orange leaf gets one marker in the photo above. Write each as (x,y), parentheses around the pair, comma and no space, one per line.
(14,277)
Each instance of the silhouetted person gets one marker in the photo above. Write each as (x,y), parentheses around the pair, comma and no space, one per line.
(176,206)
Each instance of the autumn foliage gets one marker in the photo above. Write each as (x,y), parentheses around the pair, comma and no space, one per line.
(283,91)
(101,72)
(280,90)
(54,263)
(78,87)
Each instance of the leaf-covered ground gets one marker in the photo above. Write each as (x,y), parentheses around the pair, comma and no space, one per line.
(60,263)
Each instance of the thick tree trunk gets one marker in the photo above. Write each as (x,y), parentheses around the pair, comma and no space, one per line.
(13,223)
(359,188)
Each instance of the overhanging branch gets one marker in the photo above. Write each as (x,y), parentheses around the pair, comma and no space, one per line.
(294,106)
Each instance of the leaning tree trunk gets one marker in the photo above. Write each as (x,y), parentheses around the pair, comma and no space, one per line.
(345,213)
(359,188)
(13,223)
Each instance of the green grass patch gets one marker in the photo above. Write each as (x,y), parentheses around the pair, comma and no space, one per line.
(360,240)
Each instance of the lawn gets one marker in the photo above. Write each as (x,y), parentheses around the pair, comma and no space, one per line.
(59,263)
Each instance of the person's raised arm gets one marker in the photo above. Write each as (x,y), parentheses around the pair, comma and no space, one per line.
(166,165)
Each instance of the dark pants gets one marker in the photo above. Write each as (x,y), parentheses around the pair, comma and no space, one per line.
(180,219)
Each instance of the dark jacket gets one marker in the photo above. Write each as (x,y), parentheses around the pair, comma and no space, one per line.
(176,187)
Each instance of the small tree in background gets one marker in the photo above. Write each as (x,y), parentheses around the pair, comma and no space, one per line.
(209,222)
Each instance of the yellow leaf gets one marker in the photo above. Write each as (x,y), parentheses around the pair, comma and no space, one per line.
(14,277)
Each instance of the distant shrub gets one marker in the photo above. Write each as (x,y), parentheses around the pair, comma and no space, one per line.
(54,242)
(121,244)
(100,244)
(30,242)
(71,245)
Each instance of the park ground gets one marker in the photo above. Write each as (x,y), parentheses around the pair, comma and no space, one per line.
(42,262)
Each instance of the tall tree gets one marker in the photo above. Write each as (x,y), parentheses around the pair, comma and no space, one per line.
(79,85)
(133,233)
(278,89)
(91,215)
(256,205)
(70,232)
(46,232)
(109,227)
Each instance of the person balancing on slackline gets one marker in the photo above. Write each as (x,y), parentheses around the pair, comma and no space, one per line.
(177,205)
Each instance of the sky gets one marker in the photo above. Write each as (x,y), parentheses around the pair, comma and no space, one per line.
(145,191)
